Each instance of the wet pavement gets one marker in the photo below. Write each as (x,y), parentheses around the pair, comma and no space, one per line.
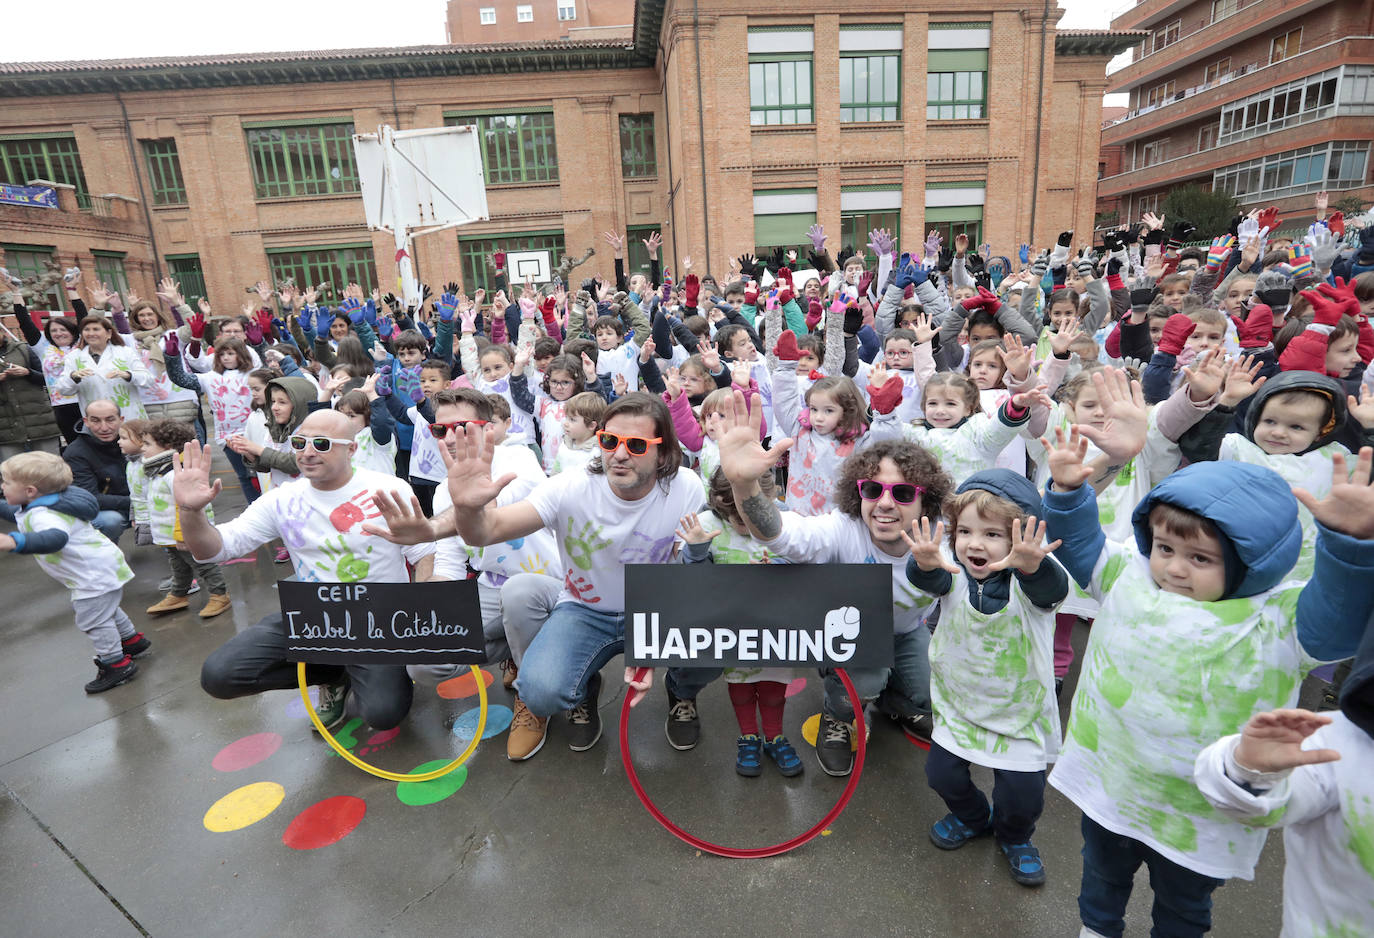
(109,802)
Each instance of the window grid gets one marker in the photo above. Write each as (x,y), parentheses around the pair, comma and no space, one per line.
(1341,164)
(475,251)
(1166,35)
(186,271)
(780,90)
(637,155)
(29,260)
(1297,102)
(1159,94)
(1285,46)
(567,11)
(1216,70)
(636,254)
(336,267)
(949,229)
(870,87)
(524,14)
(164,172)
(955,95)
(516,147)
(52,158)
(109,268)
(487,16)
(855,226)
(304,160)
(1224,8)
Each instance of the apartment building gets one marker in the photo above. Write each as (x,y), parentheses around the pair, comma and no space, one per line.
(1270,100)
(729,131)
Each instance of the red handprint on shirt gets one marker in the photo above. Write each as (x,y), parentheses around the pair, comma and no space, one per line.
(353,512)
(580,588)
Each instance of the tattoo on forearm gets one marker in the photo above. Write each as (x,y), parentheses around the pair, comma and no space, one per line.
(763,515)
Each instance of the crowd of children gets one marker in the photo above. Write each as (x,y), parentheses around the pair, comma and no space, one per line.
(1107,434)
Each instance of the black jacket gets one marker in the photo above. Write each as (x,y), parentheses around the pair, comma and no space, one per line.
(99,468)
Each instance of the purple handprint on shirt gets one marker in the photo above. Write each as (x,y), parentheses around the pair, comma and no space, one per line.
(295,515)
(643,549)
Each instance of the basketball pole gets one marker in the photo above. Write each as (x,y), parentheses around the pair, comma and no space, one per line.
(410,288)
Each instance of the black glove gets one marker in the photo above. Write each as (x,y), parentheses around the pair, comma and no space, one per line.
(1111,243)
(1366,252)
(946,260)
(817,261)
(748,265)
(853,320)
(1277,299)
(975,264)
(1182,229)
(1065,238)
(1154,236)
(845,254)
(451,287)
(1130,234)
(1235,226)
(143,535)
(1113,266)
(1142,297)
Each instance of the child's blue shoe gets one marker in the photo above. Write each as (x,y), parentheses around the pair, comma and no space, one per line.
(783,756)
(749,760)
(950,833)
(1026,865)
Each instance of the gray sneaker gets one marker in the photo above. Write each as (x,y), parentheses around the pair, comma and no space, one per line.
(333,701)
(166,586)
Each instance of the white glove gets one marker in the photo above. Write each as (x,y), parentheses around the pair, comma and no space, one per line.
(1325,246)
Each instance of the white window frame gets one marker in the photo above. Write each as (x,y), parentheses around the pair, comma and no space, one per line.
(487,16)
(1160,37)
(1274,42)
(1153,152)
(1224,8)
(524,13)
(567,8)
(1217,70)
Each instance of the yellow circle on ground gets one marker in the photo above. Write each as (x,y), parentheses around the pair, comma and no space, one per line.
(244,806)
(811,726)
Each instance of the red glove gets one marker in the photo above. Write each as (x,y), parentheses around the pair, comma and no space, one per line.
(264,318)
(1330,303)
(1177,328)
(499,259)
(814,313)
(197,324)
(751,295)
(882,400)
(1336,224)
(990,301)
(1257,329)
(1365,343)
(1269,218)
(691,290)
(786,350)
(865,282)
(171,345)
(785,275)
(547,307)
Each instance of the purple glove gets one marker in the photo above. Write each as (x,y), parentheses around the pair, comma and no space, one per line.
(254,333)
(171,345)
(383,387)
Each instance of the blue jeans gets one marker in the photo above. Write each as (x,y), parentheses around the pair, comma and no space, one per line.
(902,690)
(1017,797)
(111,524)
(1183,898)
(575,643)
(246,475)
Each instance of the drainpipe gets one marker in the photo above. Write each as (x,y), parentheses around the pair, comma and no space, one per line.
(701,130)
(142,196)
(1039,120)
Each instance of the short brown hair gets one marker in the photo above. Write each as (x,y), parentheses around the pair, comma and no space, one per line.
(720,495)
(451,397)
(988,505)
(1180,522)
(500,407)
(137,429)
(588,405)
(642,404)
(915,463)
(171,434)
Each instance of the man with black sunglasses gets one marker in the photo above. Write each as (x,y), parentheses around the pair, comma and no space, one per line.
(320,518)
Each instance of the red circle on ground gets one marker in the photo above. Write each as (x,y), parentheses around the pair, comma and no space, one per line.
(455,688)
(324,823)
(241,753)
(742,853)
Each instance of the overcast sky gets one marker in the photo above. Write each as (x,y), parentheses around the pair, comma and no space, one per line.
(133,28)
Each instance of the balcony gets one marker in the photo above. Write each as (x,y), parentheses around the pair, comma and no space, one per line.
(1203,38)
(1146,13)
(1190,103)
(1186,162)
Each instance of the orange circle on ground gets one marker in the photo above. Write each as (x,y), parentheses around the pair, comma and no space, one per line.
(464,685)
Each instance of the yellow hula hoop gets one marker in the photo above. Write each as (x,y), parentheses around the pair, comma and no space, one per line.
(399,776)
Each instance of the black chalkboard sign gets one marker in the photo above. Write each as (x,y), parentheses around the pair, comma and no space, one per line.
(382,623)
(758,615)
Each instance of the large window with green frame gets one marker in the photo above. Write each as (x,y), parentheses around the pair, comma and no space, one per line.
(475,251)
(952,220)
(53,158)
(636,254)
(28,260)
(780,89)
(786,230)
(870,87)
(336,265)
(164,172)
(302,159)
(855,226)
(515,147)
(956,84)
(637,155)
(109,268)
(185,269)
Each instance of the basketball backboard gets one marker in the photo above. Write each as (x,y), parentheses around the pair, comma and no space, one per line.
(431,179)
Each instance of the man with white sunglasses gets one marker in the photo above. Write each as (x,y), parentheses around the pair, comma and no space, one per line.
(320,518)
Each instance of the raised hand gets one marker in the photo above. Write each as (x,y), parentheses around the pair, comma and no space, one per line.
(264,291)
(924,328)
(1206,376)
(652,244)
(1069,333)
(1272,742)
(468,460)
(1066,458)
(1127,418)
(817,235)
(1016,356)
(1241,381)
(646,351)
(588,369)
(1349,508)
(168,289)
(191,485)
(710,355)
(673,381)
(691,531)
(881,242)
(960,245)
(742,457)
(619,385)
(924,545)
(616,241)
(1028,548)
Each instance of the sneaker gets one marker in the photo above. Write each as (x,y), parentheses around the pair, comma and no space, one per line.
(283,555)
(509,672)
(783,756)
(136,645)
(682,726)
(917,728)
(833,747)
(111,675)
(527,733)
(749,759)
(166,586)
(1058,688)
(1026,865)
(168,603)
(333,701)
(586,718)
(218,603)
(950,833)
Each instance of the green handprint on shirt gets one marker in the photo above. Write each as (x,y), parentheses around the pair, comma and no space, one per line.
(349,568)
(581,548)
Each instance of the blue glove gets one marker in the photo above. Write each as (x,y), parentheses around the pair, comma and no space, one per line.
(447,304)
(307,317)
(1024,253)
(907,272)
(384,326)
(352,309)
(370,314)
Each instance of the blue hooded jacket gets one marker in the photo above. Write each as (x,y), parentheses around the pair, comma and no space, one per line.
(1251,506)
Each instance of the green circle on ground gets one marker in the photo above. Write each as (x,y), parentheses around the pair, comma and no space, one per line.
(433,791)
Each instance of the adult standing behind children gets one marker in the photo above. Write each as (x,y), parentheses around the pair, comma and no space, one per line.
(320,519)
(98,466)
